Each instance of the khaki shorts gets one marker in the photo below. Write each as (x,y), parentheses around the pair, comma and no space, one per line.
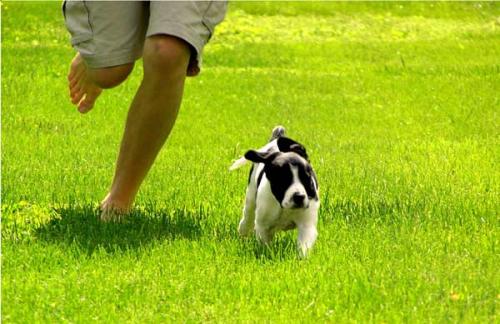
(109,33)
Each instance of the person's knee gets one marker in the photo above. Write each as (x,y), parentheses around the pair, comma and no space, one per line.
(112,76)
(165,54)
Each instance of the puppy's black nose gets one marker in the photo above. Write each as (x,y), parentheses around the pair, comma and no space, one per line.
(298,198)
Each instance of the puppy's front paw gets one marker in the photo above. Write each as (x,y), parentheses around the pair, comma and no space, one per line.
(306,239)
(303,251)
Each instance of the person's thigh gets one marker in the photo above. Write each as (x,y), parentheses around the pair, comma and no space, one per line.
(107,33)
(192,21)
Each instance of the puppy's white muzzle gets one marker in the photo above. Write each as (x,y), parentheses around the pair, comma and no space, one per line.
(296,195)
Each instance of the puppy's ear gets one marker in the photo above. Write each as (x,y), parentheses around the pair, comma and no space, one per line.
(260,157)
(286,144)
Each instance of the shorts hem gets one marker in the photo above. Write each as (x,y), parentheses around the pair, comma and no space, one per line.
(181,31)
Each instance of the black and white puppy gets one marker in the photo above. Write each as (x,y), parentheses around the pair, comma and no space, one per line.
(282,192)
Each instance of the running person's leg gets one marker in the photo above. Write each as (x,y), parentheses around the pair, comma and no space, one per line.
(176,34)
(150,119)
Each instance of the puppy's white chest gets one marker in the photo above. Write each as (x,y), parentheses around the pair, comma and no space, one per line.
(285,221)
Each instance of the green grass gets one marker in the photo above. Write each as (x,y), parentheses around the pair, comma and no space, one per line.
(398,106)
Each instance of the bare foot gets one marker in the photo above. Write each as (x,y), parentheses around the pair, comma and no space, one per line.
(82,90)
(113,211)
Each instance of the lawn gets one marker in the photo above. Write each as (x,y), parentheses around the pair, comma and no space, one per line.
(398,105)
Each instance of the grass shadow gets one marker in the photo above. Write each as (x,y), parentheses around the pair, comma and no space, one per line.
(81,226)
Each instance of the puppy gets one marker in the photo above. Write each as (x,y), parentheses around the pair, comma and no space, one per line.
(282,192)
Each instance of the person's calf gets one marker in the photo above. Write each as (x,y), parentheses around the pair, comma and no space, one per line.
(110,77)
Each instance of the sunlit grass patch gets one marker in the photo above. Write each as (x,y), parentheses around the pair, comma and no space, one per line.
(397,104)
(241,27)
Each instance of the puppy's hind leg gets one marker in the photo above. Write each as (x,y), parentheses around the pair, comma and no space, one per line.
(247,222)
